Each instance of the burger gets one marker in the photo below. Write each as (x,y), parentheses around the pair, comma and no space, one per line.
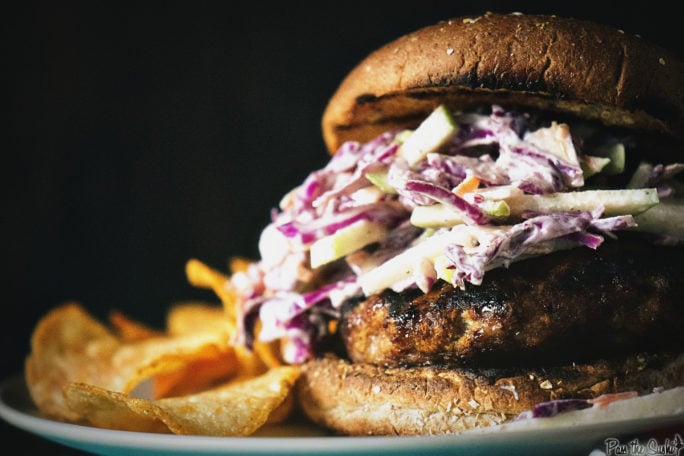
(498,231)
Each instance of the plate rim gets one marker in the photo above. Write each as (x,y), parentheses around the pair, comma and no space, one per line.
(114,441)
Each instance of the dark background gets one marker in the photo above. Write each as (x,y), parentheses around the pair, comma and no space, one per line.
(142,135)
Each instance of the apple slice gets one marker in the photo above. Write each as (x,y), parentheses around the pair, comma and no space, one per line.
(345,241)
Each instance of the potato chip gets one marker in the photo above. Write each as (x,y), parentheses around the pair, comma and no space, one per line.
(201,275)
(112,410)
(268,352)
(263,355)
(236,408)
(195,376)
(284,410)
(135,362)
(188,379)
(239,264)
(128,329)
(194,317)
(69,345)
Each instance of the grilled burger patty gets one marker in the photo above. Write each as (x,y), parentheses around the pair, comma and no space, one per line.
(566,307)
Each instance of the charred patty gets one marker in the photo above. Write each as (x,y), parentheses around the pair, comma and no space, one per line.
(567,307)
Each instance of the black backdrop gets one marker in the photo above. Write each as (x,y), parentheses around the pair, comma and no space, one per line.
(142,135)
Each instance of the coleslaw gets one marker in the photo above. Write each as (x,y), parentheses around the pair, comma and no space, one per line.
(480,191)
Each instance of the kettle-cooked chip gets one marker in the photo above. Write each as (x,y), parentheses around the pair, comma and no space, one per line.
(193,317)
(135,362)
(113,410)
(197,375)
(187,379)
(130,330)
(236,408)
(203,276)
(69,345)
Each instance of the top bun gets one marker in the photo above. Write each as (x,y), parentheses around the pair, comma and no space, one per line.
(527,61)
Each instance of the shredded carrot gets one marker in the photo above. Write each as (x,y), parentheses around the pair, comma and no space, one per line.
(605,399)
(467,185)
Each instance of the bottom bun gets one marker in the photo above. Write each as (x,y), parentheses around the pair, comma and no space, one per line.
(361,399)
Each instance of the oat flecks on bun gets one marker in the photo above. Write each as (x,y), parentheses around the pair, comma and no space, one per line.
(362,399)
(536,62)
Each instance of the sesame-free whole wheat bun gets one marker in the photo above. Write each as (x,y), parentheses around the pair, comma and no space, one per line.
(573,325)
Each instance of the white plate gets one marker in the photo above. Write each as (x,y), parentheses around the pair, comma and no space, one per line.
(567,436)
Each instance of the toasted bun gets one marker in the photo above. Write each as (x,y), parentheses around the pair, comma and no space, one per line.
(361,399)
(535,62)
(558,65)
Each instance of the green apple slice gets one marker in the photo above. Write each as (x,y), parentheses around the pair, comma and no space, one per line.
(345,241)
(381,181)
(615,202)
(402,267)
(436,216)
(616,154)
(667,218)
(431,134)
